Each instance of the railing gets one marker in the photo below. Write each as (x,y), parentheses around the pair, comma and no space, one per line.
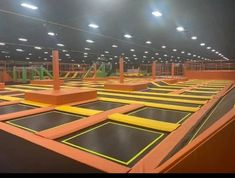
(209,66)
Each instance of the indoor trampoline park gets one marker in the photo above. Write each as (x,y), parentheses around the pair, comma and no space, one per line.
(124,86)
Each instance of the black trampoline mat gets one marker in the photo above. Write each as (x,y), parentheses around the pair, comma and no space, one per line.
(14,108)
(44,121)
(101,105)
(19,96)
(151,100)
(11,92)
(204,89)
(198,94)
(158,91)
(161,114)
(114,141)
(21,156)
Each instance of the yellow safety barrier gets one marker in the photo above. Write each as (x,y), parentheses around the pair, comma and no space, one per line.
(143,122)
(77,110)
(17,89)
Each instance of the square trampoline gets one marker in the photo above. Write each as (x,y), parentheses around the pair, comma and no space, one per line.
(101,105)
(117,142)
(14,108)
(161,114)
(39,122)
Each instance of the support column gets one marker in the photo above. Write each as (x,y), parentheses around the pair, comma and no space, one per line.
(121,69)
(56,70)
(172,70)
(154,68)
(95,71)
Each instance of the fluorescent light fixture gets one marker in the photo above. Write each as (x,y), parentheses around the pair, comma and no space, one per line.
(27,58)
(156,54)
(146,52)
(127,36)
(202,44)
(157,13)
(30,54)
(165,55)
(114,46)
(106,52)
(213,50)
(174,50)
(180,29)
(22,39)
(85,54)
(92,25)
(208,47)
(67,55)
(61,45)
(37,47)
(189,54)
(64,51)
(87,49)
(45,52)
(51,33)
(2,44)
(19,50)
(115,57)
(182,52)
(148,42)
(217,52)
(193,37)
(132,50)
(29,6)
(89,41)
(144,57)
(134,55)
(163,47)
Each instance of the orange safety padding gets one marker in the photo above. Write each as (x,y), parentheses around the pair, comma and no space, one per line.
(211,151)
(2,86)
(155,156)
(211,74)
(71,127)
(5,103)
(14,115)
(68,151)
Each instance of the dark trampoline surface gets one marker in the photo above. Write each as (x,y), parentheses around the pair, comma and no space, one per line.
(150,100)
(198,94)
(161,83)
(19,96)
(204,89)
(26,88)
(11,92)
(117,142)
(158,91)
(45,120)
(161,114)
(14,108)
(20,156)
(101,105)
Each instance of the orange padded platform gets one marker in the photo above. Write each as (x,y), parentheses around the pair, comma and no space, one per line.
(2,86)
(61,96)
(44,82)
(126,86)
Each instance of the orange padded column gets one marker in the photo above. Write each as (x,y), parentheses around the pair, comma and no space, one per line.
(55,61)
(121,69)
(172,70)
(154,68)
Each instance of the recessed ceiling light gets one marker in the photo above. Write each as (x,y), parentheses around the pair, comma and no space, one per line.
(64,51)
(92,25)
(194,55)
(193,37)
(144,57)
(157,13)
(85,54)
(114,46)
(27,58)
(22,39)
(146,52)
(51,33)
(30,54)
(102,55)
(213,50)
(106,52)
(67,55)
(61,45)
(89,41)
(202,44)
(217,52)
(37,47)
(134,55)
(165,55)
(127,36)
(132,50)
(87,49)
(19,50)
(2,44)
(156,54)
(136,58)
(115,57)
(208,47)
(174,50)
(180,29)
(29,6)
(163,47)
(182,52)
(148,42)
(45,52)
(189,54)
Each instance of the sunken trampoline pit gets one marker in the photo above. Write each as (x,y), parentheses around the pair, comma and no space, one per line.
(43,121)
(101,105)
(14,108)
(121,143)
(161,114)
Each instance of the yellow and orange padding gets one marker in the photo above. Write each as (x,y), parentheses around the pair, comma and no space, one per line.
(71,127)
(196,152)
(154,158)
(155,105)
(143,122)
(154,98)
(68,151)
